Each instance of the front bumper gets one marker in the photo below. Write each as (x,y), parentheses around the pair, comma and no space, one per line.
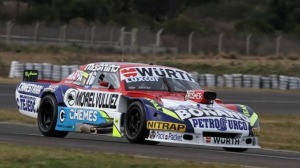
(199,139)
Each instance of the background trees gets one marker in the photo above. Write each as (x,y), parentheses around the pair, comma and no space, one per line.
(175,16)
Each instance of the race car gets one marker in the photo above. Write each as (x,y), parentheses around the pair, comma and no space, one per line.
(145,103)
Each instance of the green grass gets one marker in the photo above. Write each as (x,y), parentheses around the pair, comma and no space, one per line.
(280,132)
(13,116)
(15,156)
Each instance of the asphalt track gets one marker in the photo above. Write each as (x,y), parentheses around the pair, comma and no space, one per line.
(265,102)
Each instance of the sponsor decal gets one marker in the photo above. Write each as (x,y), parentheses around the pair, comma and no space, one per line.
(221,124)
(157,135)
(226,141)
(207,139)
(62,115)
(102,67)
(30,73)
(77,75)
(152,134)
(71,98)
(129,72)
(156,72)
(159,125)
(80,98)
(245,110)
(30,88)
(83,115)
(81,78)
(141,79)
(27,103)
(191,94)
(203,112)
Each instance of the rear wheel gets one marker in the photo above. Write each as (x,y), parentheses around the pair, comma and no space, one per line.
(135,124)
(47,117)
(236,149)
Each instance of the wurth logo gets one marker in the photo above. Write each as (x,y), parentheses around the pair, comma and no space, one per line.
(129,72)
(155,72)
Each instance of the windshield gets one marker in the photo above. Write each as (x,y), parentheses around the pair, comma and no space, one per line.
(160,84)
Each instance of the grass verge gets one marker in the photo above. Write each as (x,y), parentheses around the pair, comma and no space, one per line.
(14,156)
(13,116)
(277,131)
(280,132)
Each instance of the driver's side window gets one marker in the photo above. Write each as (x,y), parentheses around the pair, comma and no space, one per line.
(106,80)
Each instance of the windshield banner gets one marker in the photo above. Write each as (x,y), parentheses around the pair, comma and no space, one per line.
(138,72)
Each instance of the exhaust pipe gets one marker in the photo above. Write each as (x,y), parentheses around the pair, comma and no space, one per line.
(92,129)
(86,128)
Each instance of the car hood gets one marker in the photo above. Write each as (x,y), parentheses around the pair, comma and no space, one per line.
(208,117)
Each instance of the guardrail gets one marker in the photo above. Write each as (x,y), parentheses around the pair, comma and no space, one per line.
(57,72)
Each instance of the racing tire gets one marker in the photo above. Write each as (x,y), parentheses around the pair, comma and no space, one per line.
(47,117)
(235,149)
(135,124)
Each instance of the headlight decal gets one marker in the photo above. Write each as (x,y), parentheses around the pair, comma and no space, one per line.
(253,118)
(164,110)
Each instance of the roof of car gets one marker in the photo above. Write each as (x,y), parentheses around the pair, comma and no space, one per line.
(131,64)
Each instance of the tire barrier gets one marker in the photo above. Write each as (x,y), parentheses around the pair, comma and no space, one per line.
(46,71)
(58,72)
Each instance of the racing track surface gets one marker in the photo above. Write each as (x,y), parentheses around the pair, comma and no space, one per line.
(262,102)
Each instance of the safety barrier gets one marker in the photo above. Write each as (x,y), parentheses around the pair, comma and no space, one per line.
(57,72)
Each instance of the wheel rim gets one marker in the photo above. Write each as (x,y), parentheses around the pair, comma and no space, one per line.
(46,114)
(134,122)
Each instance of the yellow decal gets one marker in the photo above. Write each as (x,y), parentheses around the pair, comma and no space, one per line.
(164,110)
(116,132)
(245,110)
(170,113)
(104,114)
(253,119)
(159,125)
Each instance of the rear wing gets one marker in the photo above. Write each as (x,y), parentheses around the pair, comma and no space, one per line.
(30,75)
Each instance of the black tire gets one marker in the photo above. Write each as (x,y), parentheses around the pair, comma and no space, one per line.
(47,117)
(135,124)
(236,149)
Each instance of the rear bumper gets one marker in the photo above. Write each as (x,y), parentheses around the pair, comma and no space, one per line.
(199,139)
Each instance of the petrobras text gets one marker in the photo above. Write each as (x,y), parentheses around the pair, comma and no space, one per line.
(91,99)
(30,88)
(219,123)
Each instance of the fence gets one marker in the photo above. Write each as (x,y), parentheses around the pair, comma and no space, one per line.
(58,72)
(144,40)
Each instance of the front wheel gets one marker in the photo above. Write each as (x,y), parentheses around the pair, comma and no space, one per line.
(135,124)
(47,117)
(236,149)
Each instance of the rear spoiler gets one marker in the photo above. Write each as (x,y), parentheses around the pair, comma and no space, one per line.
(30,75)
